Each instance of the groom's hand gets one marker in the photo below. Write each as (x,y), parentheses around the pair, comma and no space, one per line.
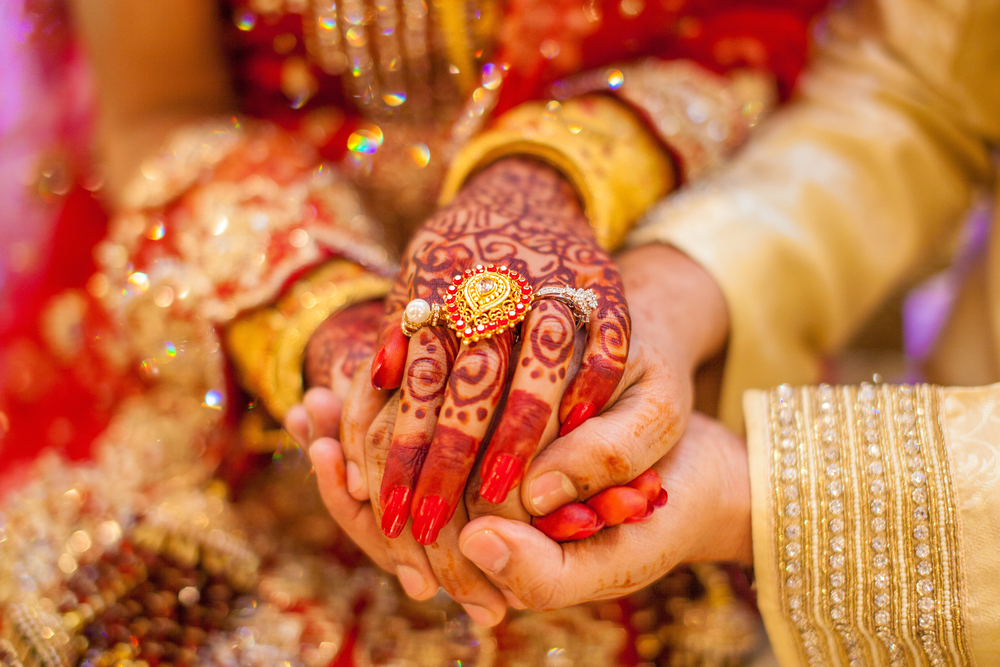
(707,519)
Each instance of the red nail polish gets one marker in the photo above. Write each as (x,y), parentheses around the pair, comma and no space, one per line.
(377,370)
(642,517)
(580,413)
(507,472)
(396,511)
(430,519)
(661,499)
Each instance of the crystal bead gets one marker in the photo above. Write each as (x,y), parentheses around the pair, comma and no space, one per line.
(882,617)
(829,436)
(873,451)
(792,510)
(837,525)
(877,487)
(877,506)
(792,531)
(915,463)
(881,561)
(925,605)
(831,453)
(926,620)
(793,549)
(789,475)
(920,513)
(909,418)
(922,551)
(837,595)
(837,561)
(881,600)
(788,459)
(906,389)
(794,582)
(879,544)
(787,443)
(923,568)
(918,478)
(795,602)
(871,436)
(925,587)
(837,613)
(833,470)
(878,525)
(837,543)
(837,579)
(911,447)
(871,423)
(866,393)
(921,532)
(786,392)
(836,488)
(792,567)
(791,492)
(881,580)
(785,414)
(875,468)
(906,404)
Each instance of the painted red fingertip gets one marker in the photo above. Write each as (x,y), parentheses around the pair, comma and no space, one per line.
(396,511)
(378,369)
(619,503)
(429,519)
(661,499)
(580,413)
(570,522)
(507,473)
(649,483)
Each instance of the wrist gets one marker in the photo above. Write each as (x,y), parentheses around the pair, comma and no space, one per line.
(675,304)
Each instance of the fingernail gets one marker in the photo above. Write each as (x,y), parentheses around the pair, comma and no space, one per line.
(430,519)
(642,516)
(507,472)
(396,511)
(549,491)
(353,477)
(487,550)
(377,372)
(481,615)
(580,413)
(412,581)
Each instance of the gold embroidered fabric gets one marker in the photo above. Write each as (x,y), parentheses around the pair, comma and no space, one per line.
(268,345)
(856,535)
(615,164)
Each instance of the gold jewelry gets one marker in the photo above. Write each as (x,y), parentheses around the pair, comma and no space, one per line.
(487,300)
(615,164)
(268,345)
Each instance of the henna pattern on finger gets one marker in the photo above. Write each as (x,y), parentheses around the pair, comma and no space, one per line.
(341,343)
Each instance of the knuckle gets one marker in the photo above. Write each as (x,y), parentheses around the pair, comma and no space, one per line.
(379,437)
(425,376)
(607,460)
(545,595)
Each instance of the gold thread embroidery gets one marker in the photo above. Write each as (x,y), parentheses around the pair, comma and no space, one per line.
(865,526)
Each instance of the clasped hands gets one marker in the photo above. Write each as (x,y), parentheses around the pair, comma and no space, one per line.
(407,442)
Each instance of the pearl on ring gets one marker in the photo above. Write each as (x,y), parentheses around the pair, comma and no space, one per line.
(418,311)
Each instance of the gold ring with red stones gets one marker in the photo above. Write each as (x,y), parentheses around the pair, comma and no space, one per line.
(486,300)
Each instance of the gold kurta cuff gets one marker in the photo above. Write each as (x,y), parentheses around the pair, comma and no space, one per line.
(615,164)
(268,345)
(857,549)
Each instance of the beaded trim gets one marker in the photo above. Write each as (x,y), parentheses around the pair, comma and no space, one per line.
(866,537)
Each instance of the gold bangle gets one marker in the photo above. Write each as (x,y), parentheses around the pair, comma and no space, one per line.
(268,345)
(609,157)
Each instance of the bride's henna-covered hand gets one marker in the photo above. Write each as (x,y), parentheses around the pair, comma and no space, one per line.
(524,215)
(340,346)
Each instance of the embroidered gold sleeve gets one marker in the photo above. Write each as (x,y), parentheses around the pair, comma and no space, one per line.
(875,523)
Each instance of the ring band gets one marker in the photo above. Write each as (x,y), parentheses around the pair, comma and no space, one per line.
(487,300)
(581,302)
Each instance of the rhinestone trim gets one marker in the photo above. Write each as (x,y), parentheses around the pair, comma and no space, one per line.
(865,533)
